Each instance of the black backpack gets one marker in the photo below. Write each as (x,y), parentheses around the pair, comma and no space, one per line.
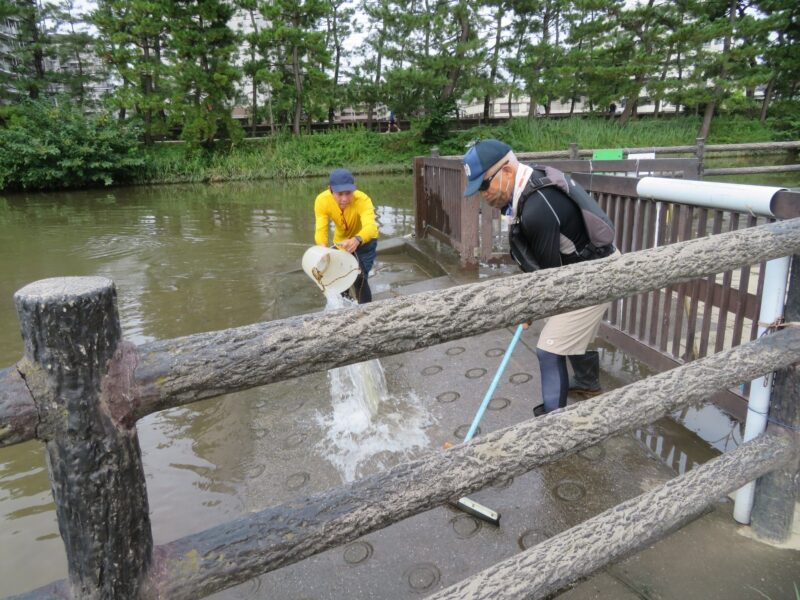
(599,228)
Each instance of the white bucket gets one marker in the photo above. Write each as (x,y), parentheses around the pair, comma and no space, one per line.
(330,268)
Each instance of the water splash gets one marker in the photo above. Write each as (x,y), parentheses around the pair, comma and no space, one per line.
(364,382)
(368,429)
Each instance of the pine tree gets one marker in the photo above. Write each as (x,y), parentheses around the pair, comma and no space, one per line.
(711,68)
(255,66)
(339,25)
(31,50)
(640,47)
(490,86)
(436,55)
(781,58)
(574,60)
(204,76)
(367,81)
(539,56)
(132,40)
(294,31)
(73,45)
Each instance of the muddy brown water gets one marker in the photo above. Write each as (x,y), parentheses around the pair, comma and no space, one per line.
(185,259)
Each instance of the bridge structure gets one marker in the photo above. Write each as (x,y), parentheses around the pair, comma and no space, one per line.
(80,389)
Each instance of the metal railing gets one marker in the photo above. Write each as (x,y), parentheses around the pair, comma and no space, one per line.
(80,388)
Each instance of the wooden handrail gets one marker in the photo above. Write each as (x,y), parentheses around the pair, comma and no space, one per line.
(627,527)
(164,374)
(685,149)
(231,553)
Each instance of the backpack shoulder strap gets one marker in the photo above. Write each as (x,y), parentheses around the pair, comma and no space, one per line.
(550,176)
(538,179)
(534,185)
(542,177)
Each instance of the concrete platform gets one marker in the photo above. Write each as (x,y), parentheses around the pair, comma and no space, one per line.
(709,558)
(423,554)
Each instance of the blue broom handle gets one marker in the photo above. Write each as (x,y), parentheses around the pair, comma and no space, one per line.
(492,387)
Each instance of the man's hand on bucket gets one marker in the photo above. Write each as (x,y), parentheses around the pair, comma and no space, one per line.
(349,245)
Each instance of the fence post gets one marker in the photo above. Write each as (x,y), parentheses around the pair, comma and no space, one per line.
(776,493)
(573,151)
(72,336)
(420,198)
(700,152)
(471,214)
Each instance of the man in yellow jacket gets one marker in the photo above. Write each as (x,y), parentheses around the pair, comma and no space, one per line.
(355,229)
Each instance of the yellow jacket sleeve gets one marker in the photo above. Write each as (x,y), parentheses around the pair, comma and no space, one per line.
(322,217)
(366,217)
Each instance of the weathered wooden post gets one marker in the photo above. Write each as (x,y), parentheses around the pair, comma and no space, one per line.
(72,337)
(777,493)
(573,151)
(420,198)
(700,153)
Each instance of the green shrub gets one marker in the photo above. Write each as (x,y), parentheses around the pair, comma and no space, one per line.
(53,145)
(435,126)
(8,115)
(285,156)
(784,117)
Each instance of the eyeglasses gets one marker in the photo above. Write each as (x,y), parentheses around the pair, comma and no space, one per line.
(487,182)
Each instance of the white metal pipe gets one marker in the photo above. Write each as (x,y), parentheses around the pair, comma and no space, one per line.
(756,200)
(773,301)
(753,199)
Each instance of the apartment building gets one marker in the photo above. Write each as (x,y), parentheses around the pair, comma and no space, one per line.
(9,28)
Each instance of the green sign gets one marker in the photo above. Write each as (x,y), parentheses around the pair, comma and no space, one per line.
(607,154)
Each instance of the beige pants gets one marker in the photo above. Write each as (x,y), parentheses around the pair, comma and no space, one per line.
(572,332)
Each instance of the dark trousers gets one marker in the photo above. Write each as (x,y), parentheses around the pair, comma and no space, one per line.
(365,254)
(555,381)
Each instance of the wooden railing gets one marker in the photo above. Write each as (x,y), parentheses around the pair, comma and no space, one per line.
(473,228)
(699,150)
(80,388)
(683,322)
(662,328)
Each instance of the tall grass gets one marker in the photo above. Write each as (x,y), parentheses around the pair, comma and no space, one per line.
(532,135)
(287,156)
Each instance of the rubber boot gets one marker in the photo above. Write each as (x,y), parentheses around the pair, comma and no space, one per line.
(586,367)
(362,289)
(553,371)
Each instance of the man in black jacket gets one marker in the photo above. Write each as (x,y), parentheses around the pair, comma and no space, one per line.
(548,231)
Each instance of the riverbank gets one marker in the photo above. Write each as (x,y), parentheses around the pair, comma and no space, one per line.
(95,151)
(286,156)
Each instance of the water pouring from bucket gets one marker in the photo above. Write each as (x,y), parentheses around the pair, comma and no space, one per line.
(333,270)
(366,426)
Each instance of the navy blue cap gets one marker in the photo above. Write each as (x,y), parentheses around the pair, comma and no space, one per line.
(342,181)
(480,159)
